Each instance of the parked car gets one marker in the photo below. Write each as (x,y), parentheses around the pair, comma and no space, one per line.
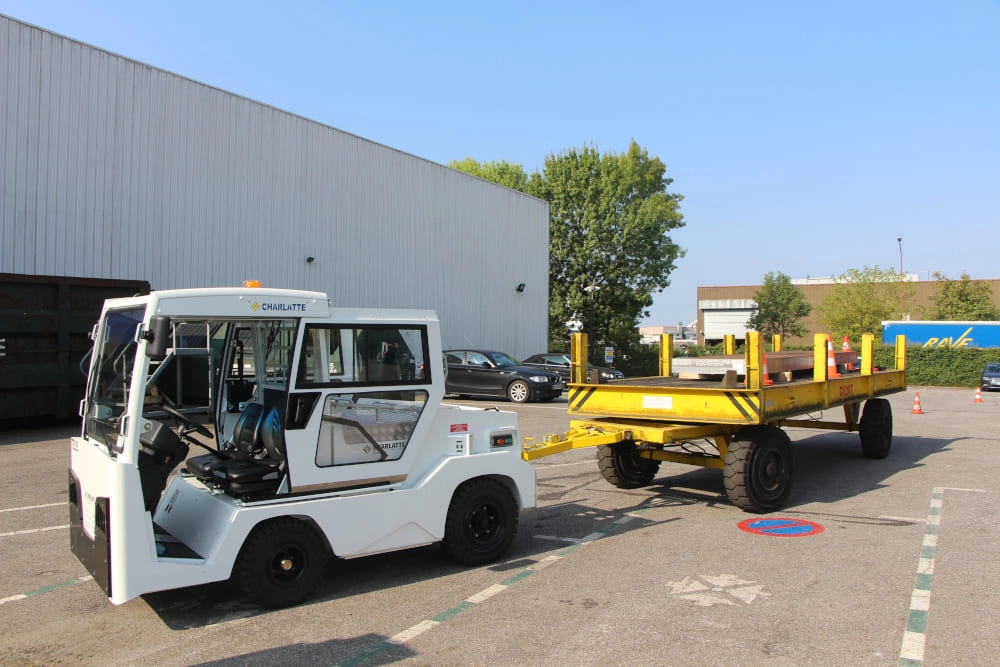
(558,362)
(990,378)
(488,373)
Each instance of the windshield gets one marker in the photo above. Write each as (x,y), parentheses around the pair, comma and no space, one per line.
(111,375)
(993,368)
(501,359)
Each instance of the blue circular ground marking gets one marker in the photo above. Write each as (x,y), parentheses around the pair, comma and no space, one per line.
(780,527)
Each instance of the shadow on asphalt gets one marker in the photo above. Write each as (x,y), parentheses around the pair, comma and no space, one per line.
(201,606)
(828,467)
(371,649)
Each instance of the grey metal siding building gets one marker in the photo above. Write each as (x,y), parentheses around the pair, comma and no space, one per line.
(110,168)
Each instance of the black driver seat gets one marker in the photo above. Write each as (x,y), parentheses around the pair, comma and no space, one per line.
(261,474)
(246,439)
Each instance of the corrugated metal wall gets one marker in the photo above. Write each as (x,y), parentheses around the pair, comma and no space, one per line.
(114,169)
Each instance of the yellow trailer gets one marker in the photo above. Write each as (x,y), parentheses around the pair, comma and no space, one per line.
(734,426)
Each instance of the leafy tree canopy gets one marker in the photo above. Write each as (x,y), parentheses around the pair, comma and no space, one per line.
(502,172)
(780,306)
(862,299)
(609,219)
(963,299)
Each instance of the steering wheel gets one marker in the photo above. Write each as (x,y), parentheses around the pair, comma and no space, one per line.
(186,421)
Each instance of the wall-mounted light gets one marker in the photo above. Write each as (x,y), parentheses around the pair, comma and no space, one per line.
(519,288)
(310,260)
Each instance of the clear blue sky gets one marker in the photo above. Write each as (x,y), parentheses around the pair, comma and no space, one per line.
(805,137)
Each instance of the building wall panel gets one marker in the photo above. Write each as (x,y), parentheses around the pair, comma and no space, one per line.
(114,169)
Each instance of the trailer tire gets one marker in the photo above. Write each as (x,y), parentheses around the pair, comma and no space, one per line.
(758,469)
(481,522)
(281,562)
(875,428)
(622,466)
(518,391)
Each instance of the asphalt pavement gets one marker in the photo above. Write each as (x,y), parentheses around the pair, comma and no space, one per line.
(871,562)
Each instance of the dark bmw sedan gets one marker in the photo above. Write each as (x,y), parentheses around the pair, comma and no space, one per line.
(486,373)
(990,379)
(558,362)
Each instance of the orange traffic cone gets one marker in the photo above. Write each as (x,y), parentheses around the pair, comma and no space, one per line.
(767,378)
(916,405)
(831,360)
(979,395)
(846,347)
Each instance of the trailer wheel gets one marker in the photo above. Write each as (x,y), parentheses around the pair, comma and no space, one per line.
(875,428)
(758,469)
(622,466)
(518,391)
(280,563)
(481,522)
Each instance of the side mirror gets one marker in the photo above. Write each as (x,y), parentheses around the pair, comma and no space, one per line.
(486,364)
(158,337)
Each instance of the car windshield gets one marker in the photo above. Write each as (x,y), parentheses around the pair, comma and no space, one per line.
(501,359)
(992,368)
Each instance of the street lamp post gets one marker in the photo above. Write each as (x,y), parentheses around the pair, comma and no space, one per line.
(899,240)
(590,289)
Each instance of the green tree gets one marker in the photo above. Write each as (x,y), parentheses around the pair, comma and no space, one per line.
(502,172)
(609,248)
(862,299)
(963,299)
(610,251)
(780,306)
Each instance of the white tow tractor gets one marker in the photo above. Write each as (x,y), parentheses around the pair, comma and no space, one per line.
(322,434)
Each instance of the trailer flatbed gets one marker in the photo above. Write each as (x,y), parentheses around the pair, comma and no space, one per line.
(639,422)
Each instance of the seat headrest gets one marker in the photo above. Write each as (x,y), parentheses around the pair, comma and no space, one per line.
(272,434)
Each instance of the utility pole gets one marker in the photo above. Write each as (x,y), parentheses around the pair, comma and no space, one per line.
(899,240)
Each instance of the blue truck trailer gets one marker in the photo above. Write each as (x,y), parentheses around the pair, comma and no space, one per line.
(938,333)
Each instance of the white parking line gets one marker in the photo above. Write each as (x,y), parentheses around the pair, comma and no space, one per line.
(588,462)
(31,507)
(45,589)
(34,530)
(911,652)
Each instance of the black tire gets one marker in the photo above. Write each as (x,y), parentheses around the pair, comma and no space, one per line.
(875,428)
(758,469)
(280,563)
(518,391)
(481,522)
(622,466)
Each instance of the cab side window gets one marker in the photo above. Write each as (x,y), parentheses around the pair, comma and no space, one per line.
(362,355)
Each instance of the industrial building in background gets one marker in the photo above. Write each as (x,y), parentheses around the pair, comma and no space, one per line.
(725,309)
(114,170)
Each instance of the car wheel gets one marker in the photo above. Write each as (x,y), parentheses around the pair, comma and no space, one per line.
(518,391)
